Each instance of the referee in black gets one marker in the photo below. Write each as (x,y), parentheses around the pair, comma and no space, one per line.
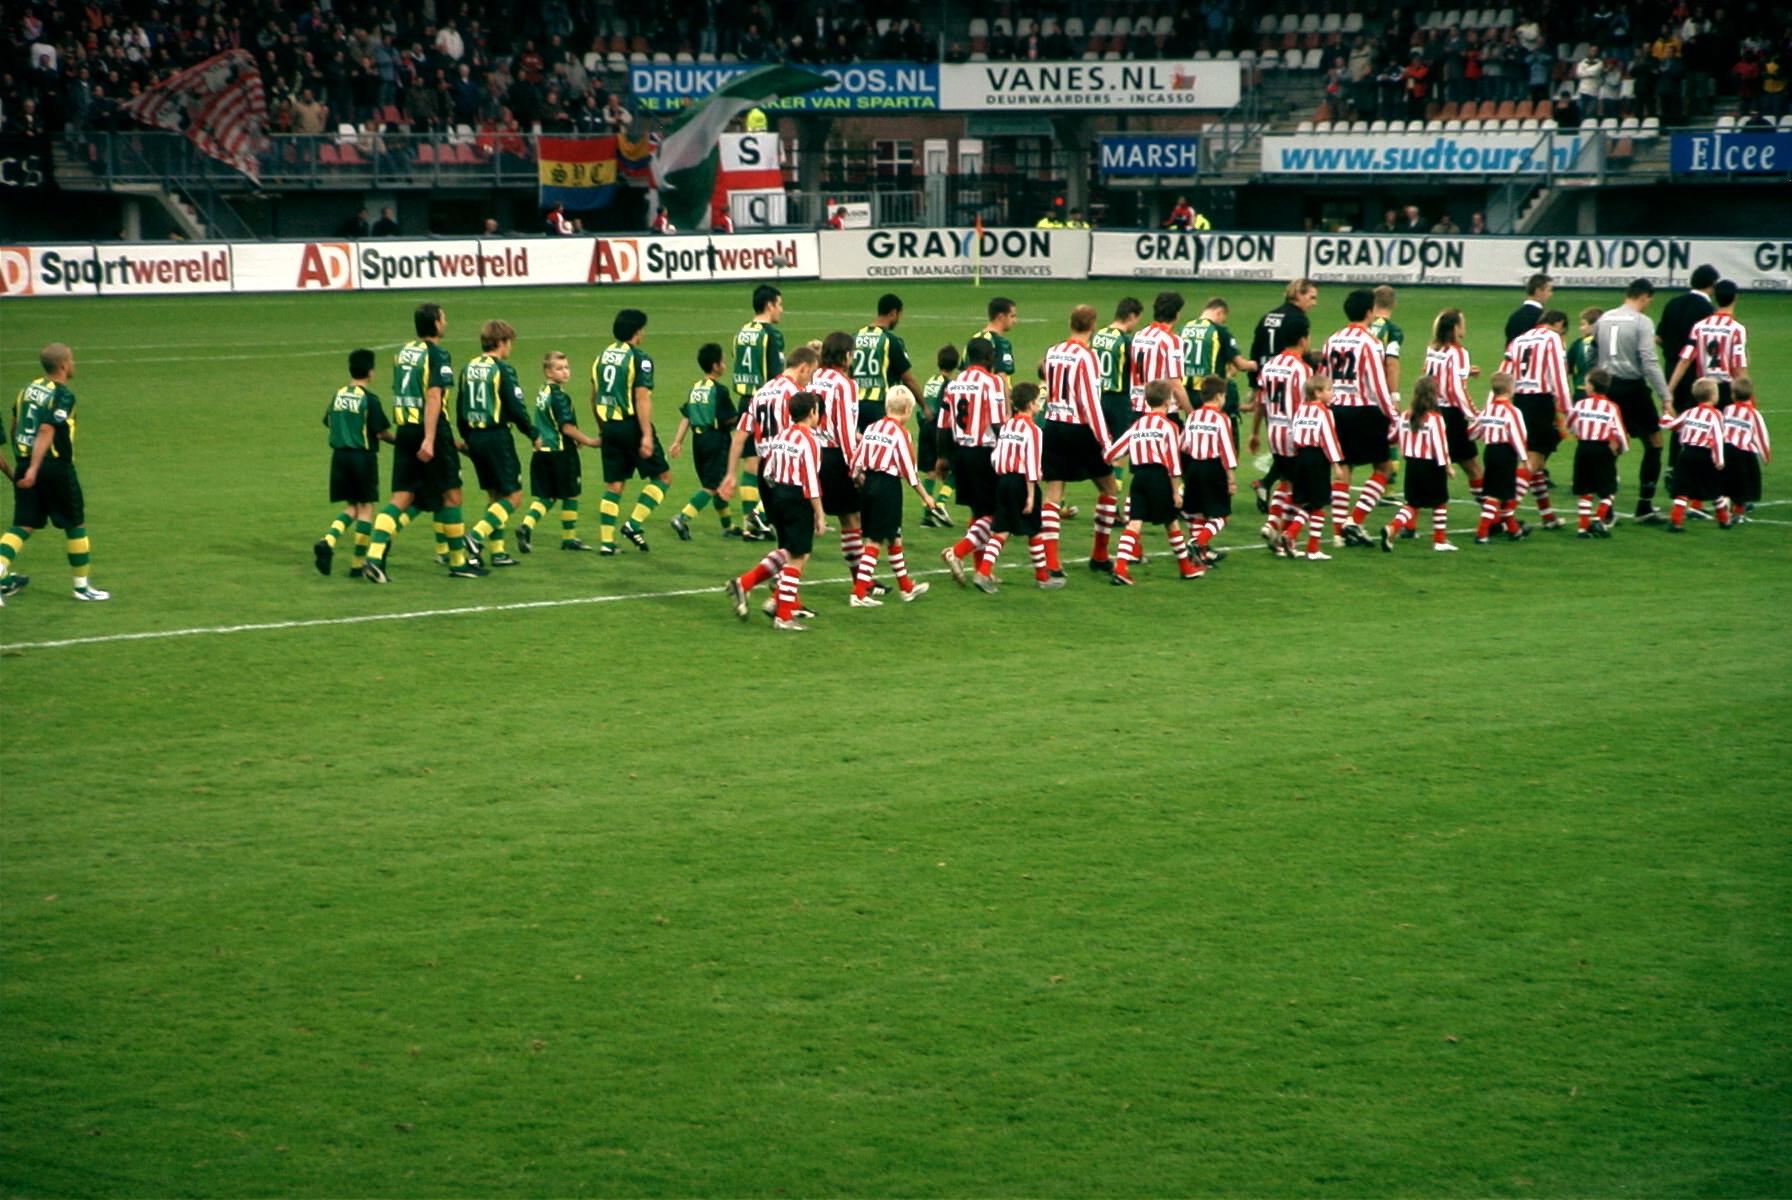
(1281,327)
(1537,291)
(1677,319)
(1625,347)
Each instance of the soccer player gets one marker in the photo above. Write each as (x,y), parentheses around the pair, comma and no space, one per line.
(1287,323)
(1209,457)
(1582,353)
(1017,463)
(1745,448)
(706,416)
(1425,448)
(1112,345)
(357,423)
(1281,384)
(996,329)
(622,398)
(1539,369)
(882,465)
(977,406)
(1153,446)
(880,359)
(1390,335)
(1624,340)
(1317,453)
(758,358)
(1075,435)
(839,433)
(425,459)
(45,487)
(933,453)
(764,415)
(1599,426)
(1500,429)
(1446,361)
(554,468)
(1210,349)
(1698,470)
(792,471)
(1537,290)
(1717,347)
(490,398)
(1363,408)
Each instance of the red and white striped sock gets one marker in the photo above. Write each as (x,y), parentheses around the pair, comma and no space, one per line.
(1036,551)
(1490,513)
(1723,510)
(1129,547)
(1179,546)
(1540,493)
(1698,504)
(992,550)
(1315,529)
(1605,509)
(1585,507)
(1679,514)
(899,567)
(1295,520)
(1440,524)
(975,534)
(788,579)
(852,544)
(1051,517)
(1278,503)
(1509,514)
(867,568)
(1105,509)
(1474,490)
(1403,519)
(1368,498)
(1340,506)
(768,566)
(1209,530)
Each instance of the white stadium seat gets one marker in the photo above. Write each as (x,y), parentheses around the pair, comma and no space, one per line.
(1104,27)
(684,58)
(1112,56)
(1530,125)
(1122,26)
(1246,57)
(729,57)
(638,58)
(1378,126)
(980,56)
(660,57)
(1315,59)
(1505,18)
(1203,55)
(1333,23)
(1304,127)
(1510,125)
(1548,125)
(1652,126)
(1452,126)
(979,28)
(1471,126)
(1002,26)
(1271,60)
(1452,18)
(1359,127)
(1630,126)
(1166,25)
(1726,122)
(1309,23)
(1290,23)
(1266,24)
(616,60)
(1322,127)
(1353,22)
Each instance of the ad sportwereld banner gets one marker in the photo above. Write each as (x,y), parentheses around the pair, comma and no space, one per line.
(1068,86)
(1432,153)
(1150,153)
(1731,153)
(954,253)
(858,87)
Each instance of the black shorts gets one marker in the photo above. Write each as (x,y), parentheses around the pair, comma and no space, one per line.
(354,476)
(1636,404)
(975,480)
(1012,490)
(880,507)
(1427,484)
(493,455)
(1541,433)
(748,448)
(1281,467)
(1204,488)
(927,448)
(425,480)
(1462,447)
(554,474)
(622,452)
(792,516)
(1362,434)
(1499,478)
(1311,480)
(869,411)
(839,495)
(54,498)
(1070,453)
(1595,469)
(1742,475)
(1696,475)
(1151,499)
(1116,411)
(709,455)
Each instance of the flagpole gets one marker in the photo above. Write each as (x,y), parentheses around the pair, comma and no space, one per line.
(977,274)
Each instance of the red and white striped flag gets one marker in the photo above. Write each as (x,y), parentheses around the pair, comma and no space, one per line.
(218,104)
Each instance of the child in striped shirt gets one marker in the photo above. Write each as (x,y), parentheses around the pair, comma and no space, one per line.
(1698,470)
(1501,429)
(1153,446)
(1425,448)
(1208,460)
(1599,425)
(1745,449)
(1314,448)
(1019,446)
(881,464)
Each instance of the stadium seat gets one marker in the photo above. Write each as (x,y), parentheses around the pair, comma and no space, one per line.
(1112,56)
(345,133)
(1487,110)
(1507,109)
(979,28)
(1166,25)
(1333,23)
(1621,150)
(1290,23)
(1304,127)
(1629,126)
(1608,125)
(883,26)
(1652,126)
(1505,18)
(1785,122)
(1247,58)
(637,58)
(1271,59)
(1104,28)
(1445,112)
(1359,127)
(1472,125)
(729,56)
(1228,56)
(1310,23)
(615,61)
(1051,28)
(684,58)
(1548,125)
(1203,55)
(1509,125)
(1001,27)
(1378,126)
(1315,59)
(1122,26)
(1452,18)
(979,56)
(1726,122)
(351,157)
(329,154)
(426,154)
(661,58)
(706,57)
(1530,125)
(1322,126)
(1565,52)
(1353,22)
(463,135)
(1452,126)
(1073,28)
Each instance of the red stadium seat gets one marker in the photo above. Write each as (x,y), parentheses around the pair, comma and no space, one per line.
(351,157)
(328,156)
(426,154)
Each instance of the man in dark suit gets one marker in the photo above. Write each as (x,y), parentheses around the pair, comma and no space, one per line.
(1537,289)
(1675,330)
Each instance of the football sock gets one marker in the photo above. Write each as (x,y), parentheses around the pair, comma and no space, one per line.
(78,553)
(1490,512)
(609,512)
(537,510)
(1050,519)
(569,519)
(945,493)
(1340,506)
(441,532)
(385,526)
(1605,509)
(363,532)
(697,503)
(867,570)
(1129,547)
(1509,515)
(789,578)
(1679,516)
(1179,545)
(723,513)
(1368,498)
(768,566)
(748,493)
(491,523)
(1440,524)
(1036,552)
(899,566)
(1585,507)
(649,499)
(1474,489)
(1723,511)
(1402,519)
(455,530)
(11,542)
(852,544)
(1106,508)
(338,527)
(992,550)
(1315,528)
(1540,493)
(1648,478)
(974,538)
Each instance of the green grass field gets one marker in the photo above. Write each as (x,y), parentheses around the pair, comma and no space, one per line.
(1409,875)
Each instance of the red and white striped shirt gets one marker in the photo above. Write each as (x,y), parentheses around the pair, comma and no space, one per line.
(1356,361)
(975,400)
(1449,365)
(1153,438)
(1073,387)
(1312,425)
(1596,419)
(884,447)
(1280,385)
(1500,424)
(839,429)
(1700,425)
(1429,440)
(769,409)
(1745,430)
(1207,433)
(1538,366)
(1157,353)
(793,458)
(1718,347)
(1018,448)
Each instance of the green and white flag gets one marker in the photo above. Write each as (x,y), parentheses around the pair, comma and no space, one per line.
(684,166)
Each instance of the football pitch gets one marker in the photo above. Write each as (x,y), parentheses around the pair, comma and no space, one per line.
(1397,875)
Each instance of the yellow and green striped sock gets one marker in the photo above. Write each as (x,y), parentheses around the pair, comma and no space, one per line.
(443,545)
(386,524)
(722,511)
(363,532)
(79,549)
(452,531)
(491,523)
(748,493)
(537,510)
(609,512)
(697,503)
(338,527)
(569,519)
(943,495)
(11,542)
(646,502)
